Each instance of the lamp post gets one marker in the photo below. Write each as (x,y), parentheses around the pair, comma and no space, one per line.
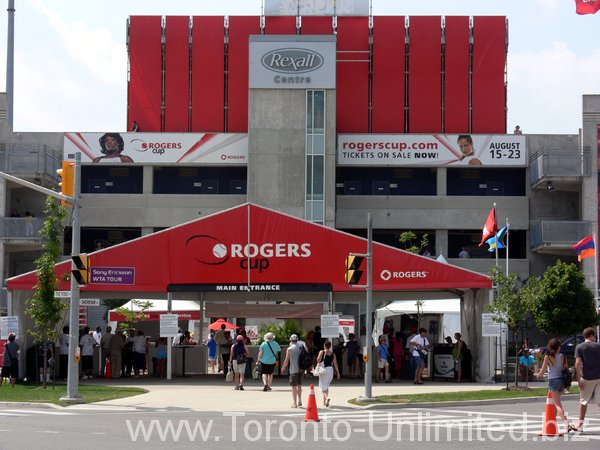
(73,373)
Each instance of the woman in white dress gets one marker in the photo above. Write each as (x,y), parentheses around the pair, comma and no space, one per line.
(326,355)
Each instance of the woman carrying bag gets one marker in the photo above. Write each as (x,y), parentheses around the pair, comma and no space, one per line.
(555,362)
(239,354)
(329,361)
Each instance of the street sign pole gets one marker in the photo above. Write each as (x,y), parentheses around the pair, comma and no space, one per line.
(73,373)
(369,311)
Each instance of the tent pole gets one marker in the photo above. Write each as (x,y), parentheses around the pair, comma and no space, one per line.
(170,340)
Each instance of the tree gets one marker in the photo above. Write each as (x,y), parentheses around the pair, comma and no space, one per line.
(409,241)
(282,332)
(132,317)
(44,308)
(566,305)
(514,299)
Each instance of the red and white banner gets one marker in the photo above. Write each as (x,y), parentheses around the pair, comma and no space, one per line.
(159,148)
(432,150)
(587,6)
(114,316)
(253,249)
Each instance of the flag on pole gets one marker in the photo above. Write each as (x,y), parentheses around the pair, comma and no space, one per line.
(587,6)
(585,248)
(497,240)
(490,228)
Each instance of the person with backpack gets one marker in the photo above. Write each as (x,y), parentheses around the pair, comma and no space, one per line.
(10,366)
(239,354)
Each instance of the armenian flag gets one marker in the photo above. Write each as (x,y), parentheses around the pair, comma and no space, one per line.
(585,248)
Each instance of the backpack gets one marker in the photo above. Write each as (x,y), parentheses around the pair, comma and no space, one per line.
(305,359)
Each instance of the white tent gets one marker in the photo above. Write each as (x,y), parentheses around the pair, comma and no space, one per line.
(449,309)
(186,308)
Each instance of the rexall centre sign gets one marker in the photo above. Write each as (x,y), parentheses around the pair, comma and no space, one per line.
(292,62)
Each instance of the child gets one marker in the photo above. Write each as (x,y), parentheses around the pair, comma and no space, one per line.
(212,351)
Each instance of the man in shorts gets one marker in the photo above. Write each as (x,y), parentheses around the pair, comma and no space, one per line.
(291,358)
(587,372)
(420,345)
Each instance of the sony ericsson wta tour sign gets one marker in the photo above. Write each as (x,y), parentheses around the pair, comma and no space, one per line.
(132,148)
(316,7)
(292,62)
(432,150)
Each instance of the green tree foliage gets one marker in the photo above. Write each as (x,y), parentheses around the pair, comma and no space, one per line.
(133,317)
(282,332)
(46,310)
(410,242)
(566,305)
(514,299)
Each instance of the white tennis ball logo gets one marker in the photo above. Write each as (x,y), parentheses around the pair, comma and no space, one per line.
(220,251)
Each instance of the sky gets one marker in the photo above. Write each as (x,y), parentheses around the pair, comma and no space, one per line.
(71,57)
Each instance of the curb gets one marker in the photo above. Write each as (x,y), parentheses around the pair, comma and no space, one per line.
(497,401)
(30,405)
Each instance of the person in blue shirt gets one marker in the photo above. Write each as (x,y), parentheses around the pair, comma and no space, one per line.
(267,358)
(212,351)
(382,362)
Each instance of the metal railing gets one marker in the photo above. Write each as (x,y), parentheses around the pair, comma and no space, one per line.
(26,228)
(553,162)
(29,159)
(558,233)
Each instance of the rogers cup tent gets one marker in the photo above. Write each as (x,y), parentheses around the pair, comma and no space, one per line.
(448,308)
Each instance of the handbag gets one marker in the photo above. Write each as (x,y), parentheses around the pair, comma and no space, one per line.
(256,371)
(241,358)
(319,369)
(567,377)
(229,376)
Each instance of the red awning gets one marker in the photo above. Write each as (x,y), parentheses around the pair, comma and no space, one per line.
(254,248)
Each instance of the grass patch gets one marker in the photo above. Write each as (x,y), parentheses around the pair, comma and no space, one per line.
(35,394)
(457,396)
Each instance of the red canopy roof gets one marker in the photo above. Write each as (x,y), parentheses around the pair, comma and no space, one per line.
(251,247)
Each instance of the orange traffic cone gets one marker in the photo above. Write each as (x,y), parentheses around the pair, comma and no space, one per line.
(311,409)
(108,369)
(550,427)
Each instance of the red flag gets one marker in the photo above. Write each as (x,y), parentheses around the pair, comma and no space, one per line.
(490,228)
(587,6)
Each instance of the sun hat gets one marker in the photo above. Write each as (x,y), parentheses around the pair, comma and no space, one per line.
(294,337)
(269,336)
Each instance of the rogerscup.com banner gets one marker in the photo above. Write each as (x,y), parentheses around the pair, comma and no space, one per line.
(432,150)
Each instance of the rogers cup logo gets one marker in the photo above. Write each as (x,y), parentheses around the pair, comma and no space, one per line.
(211,251)
(292,60)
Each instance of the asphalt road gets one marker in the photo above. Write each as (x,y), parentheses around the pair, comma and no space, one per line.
(95,426)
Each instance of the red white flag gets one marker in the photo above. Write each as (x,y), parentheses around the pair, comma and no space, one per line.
(587,6)
(490,228)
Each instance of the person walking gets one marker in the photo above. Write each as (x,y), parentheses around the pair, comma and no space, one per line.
(239,354)
(419,345)
(87,344)
(267,359)
(212,351)
(292,360)
(587,372)
(63,353)
(383,354)
(331,365)
(225,350)
(555,362)
(161,357)
(10,365)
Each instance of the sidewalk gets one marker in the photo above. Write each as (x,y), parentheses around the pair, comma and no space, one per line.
(211,392)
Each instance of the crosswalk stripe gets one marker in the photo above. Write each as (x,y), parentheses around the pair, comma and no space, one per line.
(40,411)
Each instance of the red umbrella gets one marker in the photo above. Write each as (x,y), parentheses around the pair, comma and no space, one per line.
(217,325)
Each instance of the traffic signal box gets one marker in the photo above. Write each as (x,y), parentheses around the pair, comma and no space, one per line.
(67,182)
(82,273)
(353,269)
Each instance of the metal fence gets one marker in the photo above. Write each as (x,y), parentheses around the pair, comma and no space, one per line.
(554,232)
(552,162)
(29,159)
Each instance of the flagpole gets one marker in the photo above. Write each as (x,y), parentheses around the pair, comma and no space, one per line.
(496,234)
(506,246)
(595,237)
